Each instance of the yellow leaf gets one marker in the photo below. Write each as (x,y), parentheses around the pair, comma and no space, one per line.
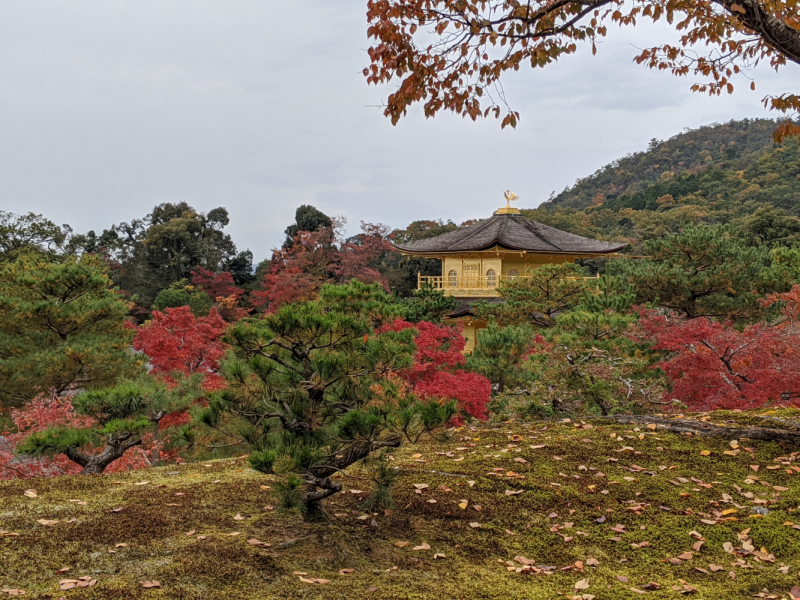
(705,452)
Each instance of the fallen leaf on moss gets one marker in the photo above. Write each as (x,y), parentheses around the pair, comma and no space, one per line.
(581,584)
(238,517)
(13,591)
(259,544)
(318,581)
(438,555)
(705,452)
(401,544)
(47,522)
(651,586)
(475,525)
(346,571)
(30,493)
(150,584)
(422,546)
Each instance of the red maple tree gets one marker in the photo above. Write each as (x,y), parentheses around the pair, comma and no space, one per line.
(176,340)
(712,365)
(438,370)
(359,255)
(298,272)
(223,291)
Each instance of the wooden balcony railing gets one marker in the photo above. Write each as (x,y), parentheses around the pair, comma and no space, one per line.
(454,285)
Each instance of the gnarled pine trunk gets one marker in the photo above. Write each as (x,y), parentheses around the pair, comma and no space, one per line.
(116,446)
(318,479)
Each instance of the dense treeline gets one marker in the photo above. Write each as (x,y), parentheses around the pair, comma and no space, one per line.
(160,340)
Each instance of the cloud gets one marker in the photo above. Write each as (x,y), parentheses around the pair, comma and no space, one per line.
(112,108)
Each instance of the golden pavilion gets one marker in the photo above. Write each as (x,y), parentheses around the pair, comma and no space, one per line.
(476,259)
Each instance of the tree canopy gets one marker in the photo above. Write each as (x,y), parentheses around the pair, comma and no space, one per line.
(452,54)
(62,325)
(313,389)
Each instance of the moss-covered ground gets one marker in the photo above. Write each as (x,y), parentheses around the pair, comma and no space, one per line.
(605,511)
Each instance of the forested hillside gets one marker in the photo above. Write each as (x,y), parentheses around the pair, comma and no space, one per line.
(729,173)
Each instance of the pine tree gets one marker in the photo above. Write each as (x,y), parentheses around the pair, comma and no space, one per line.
(501,353)
(62,325)
(538,297)
(314,389)
(122,417)
(702,272)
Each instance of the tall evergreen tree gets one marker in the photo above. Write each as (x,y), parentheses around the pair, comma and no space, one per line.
(702,272)
(309,219)
(62,325)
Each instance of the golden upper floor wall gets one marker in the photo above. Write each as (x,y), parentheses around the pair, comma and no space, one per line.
(480,274)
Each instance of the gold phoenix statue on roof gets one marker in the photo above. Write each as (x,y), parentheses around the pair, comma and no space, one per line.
(510,197)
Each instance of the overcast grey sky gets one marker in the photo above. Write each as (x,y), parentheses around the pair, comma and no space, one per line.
(109,108)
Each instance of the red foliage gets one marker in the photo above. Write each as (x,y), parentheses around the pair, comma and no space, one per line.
(714,366)
(296,273)
(221,288)
(437,370)
(176,340)
(39,414)
(51,411)
(358,257)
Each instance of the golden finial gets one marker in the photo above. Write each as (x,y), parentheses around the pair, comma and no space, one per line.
(508,209)
(510,197)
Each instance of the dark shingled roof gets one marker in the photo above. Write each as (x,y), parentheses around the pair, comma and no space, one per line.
(514,232)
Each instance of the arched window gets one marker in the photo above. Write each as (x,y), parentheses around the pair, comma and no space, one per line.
(512,274)
(452,279)
(491,278)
